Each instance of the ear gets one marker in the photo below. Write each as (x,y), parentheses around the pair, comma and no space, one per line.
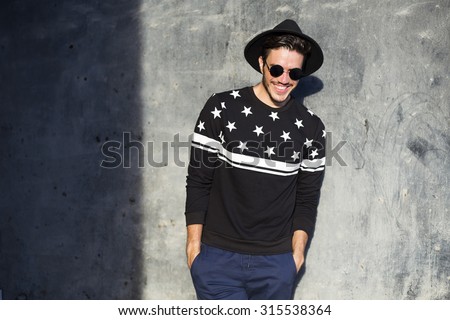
(261,64)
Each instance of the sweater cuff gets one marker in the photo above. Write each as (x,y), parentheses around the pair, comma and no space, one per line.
(197,217)
(307,226)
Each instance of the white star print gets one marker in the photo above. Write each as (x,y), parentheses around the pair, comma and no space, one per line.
(258,130)
(310,112)
(235,94)
(298,123)
(324,133)
(286,136)
(201,126)
(231,126)
(308,142)
(243,145)
(216,113)
(269,151)
(247,111)
(222,104)
(274,115)
(314,153)
(295,156)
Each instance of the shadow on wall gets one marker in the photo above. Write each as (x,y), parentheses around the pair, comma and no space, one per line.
(69,81)
(306,87)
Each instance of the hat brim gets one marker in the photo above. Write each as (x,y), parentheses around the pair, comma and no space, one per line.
(313,61)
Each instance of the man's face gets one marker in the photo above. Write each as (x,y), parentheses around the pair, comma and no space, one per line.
(279,88)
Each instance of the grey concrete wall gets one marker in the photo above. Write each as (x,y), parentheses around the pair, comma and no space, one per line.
(77,76)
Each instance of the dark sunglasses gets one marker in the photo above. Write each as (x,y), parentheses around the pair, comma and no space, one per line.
(277,70)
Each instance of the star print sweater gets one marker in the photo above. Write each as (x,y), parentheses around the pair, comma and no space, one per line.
(255,173)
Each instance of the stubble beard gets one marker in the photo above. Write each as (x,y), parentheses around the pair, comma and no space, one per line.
(273,98)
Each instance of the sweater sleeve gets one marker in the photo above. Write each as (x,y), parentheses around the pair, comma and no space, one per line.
(309,182)
(205,145)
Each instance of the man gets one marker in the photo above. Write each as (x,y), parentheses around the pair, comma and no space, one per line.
(254,178)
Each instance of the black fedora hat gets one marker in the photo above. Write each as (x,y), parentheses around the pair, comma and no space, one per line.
(253,50)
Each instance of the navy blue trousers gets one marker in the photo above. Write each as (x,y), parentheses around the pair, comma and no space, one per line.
(220,274)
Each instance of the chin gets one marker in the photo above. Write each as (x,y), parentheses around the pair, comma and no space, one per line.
(278,97)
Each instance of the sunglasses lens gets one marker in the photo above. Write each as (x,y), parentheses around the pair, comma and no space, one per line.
(276,70)
(295,74)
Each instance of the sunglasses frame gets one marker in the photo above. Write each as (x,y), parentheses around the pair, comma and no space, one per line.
(276,71)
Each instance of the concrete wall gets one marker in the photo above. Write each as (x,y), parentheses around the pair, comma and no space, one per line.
(79,76)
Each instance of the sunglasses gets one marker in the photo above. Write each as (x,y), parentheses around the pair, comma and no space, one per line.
(277,70)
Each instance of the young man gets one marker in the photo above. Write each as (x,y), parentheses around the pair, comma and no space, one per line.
(254,178)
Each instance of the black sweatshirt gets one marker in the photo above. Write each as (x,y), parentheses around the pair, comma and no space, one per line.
(255,173)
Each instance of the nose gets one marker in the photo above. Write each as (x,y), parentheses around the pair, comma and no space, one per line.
(284,78)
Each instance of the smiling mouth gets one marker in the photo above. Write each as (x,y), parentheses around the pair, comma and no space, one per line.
(281,88)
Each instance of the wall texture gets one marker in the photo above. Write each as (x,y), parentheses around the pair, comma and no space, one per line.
(97,100)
